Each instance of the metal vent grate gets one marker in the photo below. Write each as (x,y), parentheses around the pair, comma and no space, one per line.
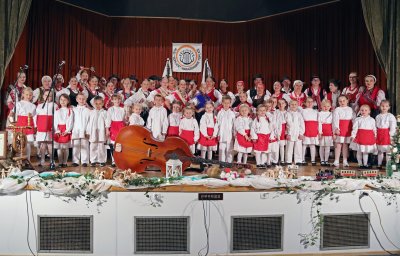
(256,233)
(65,233)
(345,231)
(162,235)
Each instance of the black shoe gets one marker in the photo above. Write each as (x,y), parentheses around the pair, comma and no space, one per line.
(299,164)
(261,166)
(113,165)
(75,165)
(283,163)
(323,164)
(84,165)
(313,163)
(102,164)
(304,163)
(93,164)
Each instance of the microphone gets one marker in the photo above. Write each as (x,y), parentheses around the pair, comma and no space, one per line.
(24,67)
(61,63)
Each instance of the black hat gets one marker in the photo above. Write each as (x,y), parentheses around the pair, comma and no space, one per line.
(314,76)
(258,76)
(133,77)
(114,76)
(285,77)
(154,78)
(336,82)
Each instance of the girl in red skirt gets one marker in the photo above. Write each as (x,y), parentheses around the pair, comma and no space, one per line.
(310,116)
(189,129)
(386,129)
(243,144)
(174,119)
(207,142)
(25,112)
(325,131)
(280,118)
(260,133)
(63,124)
(116,120)
(363,136)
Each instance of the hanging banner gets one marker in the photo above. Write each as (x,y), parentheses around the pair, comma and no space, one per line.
(186,57)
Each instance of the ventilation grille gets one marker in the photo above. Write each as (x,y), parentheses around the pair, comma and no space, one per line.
(345,231)
(162,235)
(256,233)
(65,233)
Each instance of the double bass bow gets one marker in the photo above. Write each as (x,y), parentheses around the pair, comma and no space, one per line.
(136,149)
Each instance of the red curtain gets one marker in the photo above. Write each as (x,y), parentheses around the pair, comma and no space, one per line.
(329,40)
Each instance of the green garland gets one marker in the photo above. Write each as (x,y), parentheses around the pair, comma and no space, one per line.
(394,163)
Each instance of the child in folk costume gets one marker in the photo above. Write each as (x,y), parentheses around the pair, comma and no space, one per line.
(342,123)
(25,112)
(243,143)
(189,128)
(225,121)
(136,118)
(92,91)
(207,142)
(98,133)
(325,131)
(157,121)
(363,136)
(199,101)
(273,146)
(80,144)
(280,119)
(260,133)
(310,117)
(63,124)
(294,133)
(243,101)
(174,119)
(386,129)
(44,123)
(116,120)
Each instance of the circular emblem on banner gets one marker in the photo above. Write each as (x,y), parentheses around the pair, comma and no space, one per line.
(186,57)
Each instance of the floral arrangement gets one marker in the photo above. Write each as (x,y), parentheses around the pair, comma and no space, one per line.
(229,175)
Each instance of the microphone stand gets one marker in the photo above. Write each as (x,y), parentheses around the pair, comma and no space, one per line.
(53,92)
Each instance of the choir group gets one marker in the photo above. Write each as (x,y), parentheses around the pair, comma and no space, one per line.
(277,127)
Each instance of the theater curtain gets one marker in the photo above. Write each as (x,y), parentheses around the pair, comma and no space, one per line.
(13,15)
(382,18)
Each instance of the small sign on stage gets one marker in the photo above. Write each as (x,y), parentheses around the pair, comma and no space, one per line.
(211,196)
(186,57)
(3,144)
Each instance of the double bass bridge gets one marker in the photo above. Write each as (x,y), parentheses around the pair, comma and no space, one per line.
(149,151)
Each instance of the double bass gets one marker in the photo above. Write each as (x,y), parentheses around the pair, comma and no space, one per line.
(136,149)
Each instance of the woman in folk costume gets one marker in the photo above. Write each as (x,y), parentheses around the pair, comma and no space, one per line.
(25,112)
(334,93)
(38,93)
(63,124)
(296,94)
(207,142)
(225,122)
(280,118)
(80,143)
(44,123)
(353,90)
(342,123)
(239,90)
(325,132)
(372,96)
(14,94)
(310,117)
(315,91)
(294,133)
(273,146)
(116,120)
(127,91)
(179,95)
(92,91)
(214,95)
(260,96)
(71,90)
(140,97)
(157,122)
(163,91)
(174,119)
(363,136)
(223,89)
(98,133)
(277,93)
(386,129)
(108,94)
(189,128)
(260,133)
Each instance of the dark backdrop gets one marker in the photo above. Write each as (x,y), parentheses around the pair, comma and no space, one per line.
(330,40)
